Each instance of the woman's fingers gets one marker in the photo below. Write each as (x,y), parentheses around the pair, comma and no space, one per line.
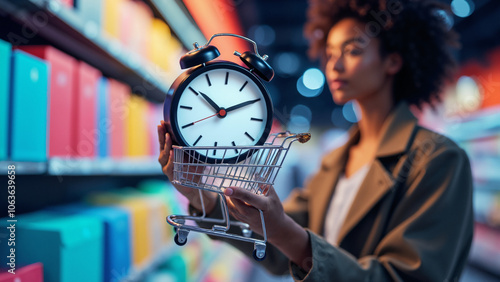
(257,201)
(161,135)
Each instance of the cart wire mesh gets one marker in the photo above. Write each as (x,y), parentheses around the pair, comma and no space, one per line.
(256,167)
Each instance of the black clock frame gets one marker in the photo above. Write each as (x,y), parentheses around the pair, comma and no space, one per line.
(179,86)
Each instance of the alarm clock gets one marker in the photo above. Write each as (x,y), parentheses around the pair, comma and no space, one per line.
(219,104)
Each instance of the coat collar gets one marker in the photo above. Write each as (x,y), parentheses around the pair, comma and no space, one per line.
(397,136)
(397,131)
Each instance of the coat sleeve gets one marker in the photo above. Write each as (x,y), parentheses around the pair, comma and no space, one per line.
(428,236)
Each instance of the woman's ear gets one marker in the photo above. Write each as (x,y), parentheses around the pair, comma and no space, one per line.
(394,63)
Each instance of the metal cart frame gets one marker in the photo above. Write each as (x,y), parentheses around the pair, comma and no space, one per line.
(255,171)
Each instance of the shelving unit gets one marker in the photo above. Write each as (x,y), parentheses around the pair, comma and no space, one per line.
(64,29)
(478,134)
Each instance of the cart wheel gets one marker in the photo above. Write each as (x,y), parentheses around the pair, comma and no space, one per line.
(257,258)
(180,241)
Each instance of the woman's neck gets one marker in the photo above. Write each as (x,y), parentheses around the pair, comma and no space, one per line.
(374,112)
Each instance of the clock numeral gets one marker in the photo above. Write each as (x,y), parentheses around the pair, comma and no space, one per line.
(227,76)
(196,142)
(236,151)
(256,119)
(194,91)
(244,84)
(248,135)
(208,80)
(188,125)
(186,107)
(215,150)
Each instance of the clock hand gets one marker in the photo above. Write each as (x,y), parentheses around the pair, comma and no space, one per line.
(220,113)
(210,101)
(241,105)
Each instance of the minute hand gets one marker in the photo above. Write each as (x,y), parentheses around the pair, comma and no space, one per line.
(241,105)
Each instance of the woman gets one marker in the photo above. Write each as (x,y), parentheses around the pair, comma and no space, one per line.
(393,203)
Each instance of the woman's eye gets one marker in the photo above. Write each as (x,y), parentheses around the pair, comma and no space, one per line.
(353,51)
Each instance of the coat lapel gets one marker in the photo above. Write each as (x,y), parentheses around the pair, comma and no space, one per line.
(396,138)
(331,167)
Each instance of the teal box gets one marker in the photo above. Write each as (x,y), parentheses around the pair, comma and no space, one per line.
(29,116)
(5,58)
(69,247)
(117,242)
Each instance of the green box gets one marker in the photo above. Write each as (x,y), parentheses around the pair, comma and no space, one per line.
(5,58)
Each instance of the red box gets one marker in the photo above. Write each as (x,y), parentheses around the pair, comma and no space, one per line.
(118,111)
(62,69)
(85,132)
(68,3)
(31,273)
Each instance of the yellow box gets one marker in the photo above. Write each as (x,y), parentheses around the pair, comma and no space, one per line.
(138,139)
(159,39)
(111,17)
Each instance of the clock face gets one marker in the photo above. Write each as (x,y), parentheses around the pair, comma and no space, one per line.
(222,105)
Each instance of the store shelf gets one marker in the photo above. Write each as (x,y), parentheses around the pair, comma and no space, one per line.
(485,250)
(146,269)
(483,124)
(23,167)
(66,30)
(66,166)
(180,21)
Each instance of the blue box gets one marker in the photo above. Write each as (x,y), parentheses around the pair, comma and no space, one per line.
(103,120)
(116,240)
(29,118)
(5,57)
(69,247)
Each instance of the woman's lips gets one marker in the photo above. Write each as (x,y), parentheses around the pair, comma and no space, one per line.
(337,84)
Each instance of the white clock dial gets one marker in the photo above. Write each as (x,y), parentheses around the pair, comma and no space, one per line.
(222,107)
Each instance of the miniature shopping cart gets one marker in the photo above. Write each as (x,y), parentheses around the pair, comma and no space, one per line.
(255,168)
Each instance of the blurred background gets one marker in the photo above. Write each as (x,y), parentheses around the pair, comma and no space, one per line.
(82,84)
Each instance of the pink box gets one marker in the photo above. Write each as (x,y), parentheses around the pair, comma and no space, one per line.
(31,273)
(117,111)
(62,69)
(84,131)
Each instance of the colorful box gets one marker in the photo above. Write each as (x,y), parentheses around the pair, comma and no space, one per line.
(117,241)
(158,49)
(103,120)
(84,131)
(61,89)
(111,17)
(29,117)
(139,223)
(119,94)
(91,11)
(137,127)
(5,59)
(29,273)
(69,247)
(68,3)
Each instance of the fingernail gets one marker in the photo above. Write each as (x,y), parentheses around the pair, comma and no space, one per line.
(228,191)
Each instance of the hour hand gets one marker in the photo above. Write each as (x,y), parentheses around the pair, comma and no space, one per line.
(210,101)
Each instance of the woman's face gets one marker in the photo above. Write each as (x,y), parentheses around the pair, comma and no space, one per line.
(354,68)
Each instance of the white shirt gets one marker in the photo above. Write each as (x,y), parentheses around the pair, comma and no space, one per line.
(341,202)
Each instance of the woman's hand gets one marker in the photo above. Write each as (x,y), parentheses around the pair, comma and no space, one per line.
(166,160)
(281,230)
(243,206)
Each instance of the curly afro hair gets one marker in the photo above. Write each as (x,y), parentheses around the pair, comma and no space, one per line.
(415,29)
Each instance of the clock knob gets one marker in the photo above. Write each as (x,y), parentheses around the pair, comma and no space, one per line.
(199,56)
(258,64)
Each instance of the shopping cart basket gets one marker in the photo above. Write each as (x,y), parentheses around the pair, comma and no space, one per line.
(255,171)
